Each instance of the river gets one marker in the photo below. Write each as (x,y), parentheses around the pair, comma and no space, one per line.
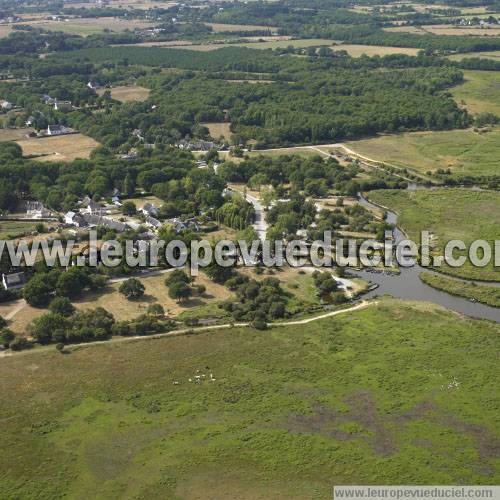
(408,285)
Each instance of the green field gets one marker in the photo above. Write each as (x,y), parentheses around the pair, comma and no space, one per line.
(481,293)
(480,93)
(464,152)
(355,399)
(448,214)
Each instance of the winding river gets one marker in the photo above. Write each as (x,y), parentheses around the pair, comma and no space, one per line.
(407,284)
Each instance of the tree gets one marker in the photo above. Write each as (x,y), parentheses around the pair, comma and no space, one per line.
(156,310)
(132,289)
(129,208)
(38,291)
(177,276)
(71,282)
(6,337)
(62,306)
(41,328)
(179,291)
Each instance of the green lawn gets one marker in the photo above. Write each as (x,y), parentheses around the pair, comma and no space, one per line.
(464,152)
(448,214)
(480,93)
(355,399)
(14,229)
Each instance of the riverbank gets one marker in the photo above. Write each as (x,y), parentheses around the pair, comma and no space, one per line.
(485,294)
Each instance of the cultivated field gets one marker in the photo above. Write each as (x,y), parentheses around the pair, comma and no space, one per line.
(59,148)
(14,134)
(5,30)
(218,129)
(373,50)
(89,26)
(448,214)
(125,4)
(10,229)
(287,415)
(219,27)
(480,93)
(256,44)
(128,93)
(463,151)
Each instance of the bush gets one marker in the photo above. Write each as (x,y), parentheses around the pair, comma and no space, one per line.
(62,305)
(259,324)
(20,343)
(6,337)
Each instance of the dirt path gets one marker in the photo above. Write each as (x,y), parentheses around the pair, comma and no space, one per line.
(20,304)
(369,162)
(178,333)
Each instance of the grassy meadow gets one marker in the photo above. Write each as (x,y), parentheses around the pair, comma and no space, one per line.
(354,399)
(464,152)
(480,92)
(448,214)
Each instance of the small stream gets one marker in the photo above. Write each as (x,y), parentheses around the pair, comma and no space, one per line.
(407,284)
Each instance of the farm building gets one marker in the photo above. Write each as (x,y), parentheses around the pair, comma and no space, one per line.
(13,281)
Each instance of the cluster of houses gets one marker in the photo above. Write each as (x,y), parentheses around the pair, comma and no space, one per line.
(475,21)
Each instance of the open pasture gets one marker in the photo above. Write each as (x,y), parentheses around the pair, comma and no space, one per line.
(462,151)
(480,92)
(448,214)
(287,413)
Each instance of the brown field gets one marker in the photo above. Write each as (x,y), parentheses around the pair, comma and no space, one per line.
(126,4)
(14,134)
(89,26)
(273,43)
(128,93)
(373,50)
(59,148)
(218,129)
(445,29)
(21,314)
(217,27)
(140,202)
(5,30)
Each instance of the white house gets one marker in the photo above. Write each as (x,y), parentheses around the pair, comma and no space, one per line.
(58,130)
(36,210)
(6,105)
(149,209)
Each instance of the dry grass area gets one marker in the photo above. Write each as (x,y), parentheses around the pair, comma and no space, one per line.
(218,27)
(14,134)
(140,202)
(112,300)
(128,93)
(89,26)
(59,148)
(373,50)
(218,129)
(5,30)
(126,4)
